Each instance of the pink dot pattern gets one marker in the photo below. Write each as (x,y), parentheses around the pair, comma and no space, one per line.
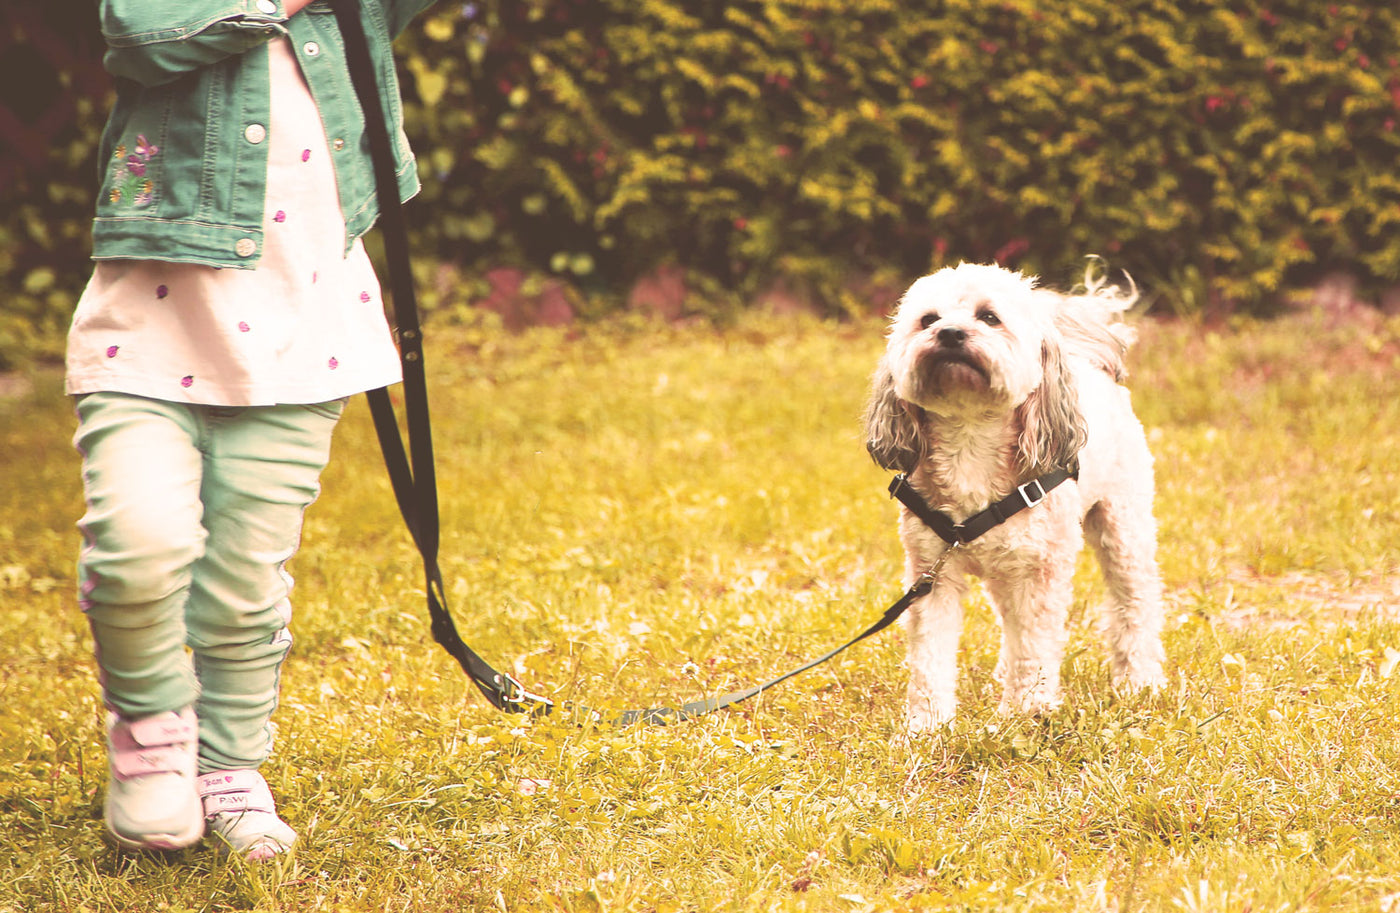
(170,288)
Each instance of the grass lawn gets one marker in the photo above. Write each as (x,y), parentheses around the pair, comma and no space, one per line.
(637,516)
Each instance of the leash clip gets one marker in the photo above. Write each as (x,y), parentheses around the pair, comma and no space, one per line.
(512,692)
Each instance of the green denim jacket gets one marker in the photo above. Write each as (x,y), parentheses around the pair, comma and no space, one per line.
(184,152)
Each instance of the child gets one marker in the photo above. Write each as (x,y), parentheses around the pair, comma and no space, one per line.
(231,312)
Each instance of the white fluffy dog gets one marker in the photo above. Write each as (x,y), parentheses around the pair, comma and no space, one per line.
(988,384)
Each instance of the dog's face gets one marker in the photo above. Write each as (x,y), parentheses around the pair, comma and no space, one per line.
(967,340)
(974,343)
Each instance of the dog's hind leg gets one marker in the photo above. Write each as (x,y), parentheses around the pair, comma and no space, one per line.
(1124,535)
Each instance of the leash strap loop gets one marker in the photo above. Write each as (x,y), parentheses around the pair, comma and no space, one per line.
(413,477)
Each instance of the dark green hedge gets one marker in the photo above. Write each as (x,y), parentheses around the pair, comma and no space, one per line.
(1223,153)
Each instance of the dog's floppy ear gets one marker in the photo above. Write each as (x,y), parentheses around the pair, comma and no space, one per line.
(892,425)
(1052,427)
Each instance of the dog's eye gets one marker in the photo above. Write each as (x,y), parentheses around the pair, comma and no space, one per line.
(989,318)
(928,320)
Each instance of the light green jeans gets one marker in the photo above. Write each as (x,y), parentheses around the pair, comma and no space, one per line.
(192,514)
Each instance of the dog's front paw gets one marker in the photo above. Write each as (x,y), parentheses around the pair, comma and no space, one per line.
(1036,702)
(1133,679)
(1029,688)
(929,715)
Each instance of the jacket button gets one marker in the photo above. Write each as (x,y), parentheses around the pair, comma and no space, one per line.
(311,49)
(245,247)
(267,6)
(339,144)
(255,133)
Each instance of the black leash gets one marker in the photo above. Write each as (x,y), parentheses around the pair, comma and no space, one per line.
(415,482)
(662,715)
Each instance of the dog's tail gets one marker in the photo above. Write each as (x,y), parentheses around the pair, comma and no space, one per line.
(1090,321)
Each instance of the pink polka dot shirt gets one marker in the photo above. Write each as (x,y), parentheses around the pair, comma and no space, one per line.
(306,326)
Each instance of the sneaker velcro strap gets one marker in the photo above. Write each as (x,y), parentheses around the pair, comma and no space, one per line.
(139,762)
(235,791)
(163,729)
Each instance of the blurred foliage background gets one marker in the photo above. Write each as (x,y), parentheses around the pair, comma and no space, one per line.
(1228,154)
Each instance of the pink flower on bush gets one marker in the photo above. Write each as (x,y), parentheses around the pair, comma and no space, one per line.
(1011,250)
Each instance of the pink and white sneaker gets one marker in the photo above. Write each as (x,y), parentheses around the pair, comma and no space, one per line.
(240,813)
(152,802)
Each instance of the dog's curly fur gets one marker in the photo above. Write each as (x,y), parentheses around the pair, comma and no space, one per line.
(988,382)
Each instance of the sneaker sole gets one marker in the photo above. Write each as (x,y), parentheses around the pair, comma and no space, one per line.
(158,842)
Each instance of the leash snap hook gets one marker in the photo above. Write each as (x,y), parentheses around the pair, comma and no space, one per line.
(514,693)
(930,577)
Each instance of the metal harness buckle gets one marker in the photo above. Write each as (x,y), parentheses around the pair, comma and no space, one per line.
(1026,496)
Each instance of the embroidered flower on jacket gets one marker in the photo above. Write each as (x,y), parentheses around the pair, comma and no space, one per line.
(128,176)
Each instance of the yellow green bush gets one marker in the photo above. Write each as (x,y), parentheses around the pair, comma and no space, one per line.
(1223,152)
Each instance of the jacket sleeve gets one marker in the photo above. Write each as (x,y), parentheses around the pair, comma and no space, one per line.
(401,13)
(157,41)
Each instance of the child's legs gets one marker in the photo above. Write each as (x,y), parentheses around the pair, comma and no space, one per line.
(262,470)
(141,535)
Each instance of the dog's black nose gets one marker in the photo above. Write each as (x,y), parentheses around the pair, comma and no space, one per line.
(952,337)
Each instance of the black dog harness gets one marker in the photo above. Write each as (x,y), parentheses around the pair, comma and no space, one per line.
(1027,495)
